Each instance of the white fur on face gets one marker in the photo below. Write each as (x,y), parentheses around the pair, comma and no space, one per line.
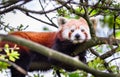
(74,30)
(82,37)
(65,34)
(76,35)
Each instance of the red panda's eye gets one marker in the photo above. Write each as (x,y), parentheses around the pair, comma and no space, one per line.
(72,30)
(82,30)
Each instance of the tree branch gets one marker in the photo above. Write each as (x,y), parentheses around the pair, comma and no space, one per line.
(8,3)
(105,63)
(94,42)
(15,66)
(95,6)
(41,20)
(46,14)
(69,8)
(55,55)
(18,7)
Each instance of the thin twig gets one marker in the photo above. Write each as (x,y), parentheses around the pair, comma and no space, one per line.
(8,3)
(69,8)
(46,14)
(105,63)
(15,66)
(41,20)
(114,59)
(30,11)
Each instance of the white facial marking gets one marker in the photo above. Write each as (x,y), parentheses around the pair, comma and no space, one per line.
(76,35)
(65,34)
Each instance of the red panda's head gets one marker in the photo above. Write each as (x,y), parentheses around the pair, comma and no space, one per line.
(74,30)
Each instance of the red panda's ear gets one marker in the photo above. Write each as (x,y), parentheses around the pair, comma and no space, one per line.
(61,21)
(83,20)
(94,22)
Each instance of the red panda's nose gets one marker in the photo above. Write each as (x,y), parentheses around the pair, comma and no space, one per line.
(77,36)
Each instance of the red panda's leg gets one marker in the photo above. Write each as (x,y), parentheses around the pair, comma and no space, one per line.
(23,62)
(82,56)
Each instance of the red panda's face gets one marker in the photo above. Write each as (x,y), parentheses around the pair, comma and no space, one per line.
(77,31)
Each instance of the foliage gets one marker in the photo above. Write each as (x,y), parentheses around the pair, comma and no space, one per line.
(10,54)
(118,34)
(97,64)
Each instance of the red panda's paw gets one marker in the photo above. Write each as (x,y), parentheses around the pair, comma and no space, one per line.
(76,31)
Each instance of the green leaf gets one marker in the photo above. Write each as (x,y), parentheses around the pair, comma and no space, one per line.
(2,56)
(94,12)
(118,49)
(114,68)
(13,55)
(74,74)
(6,48)
(118,34)
(97,63)
(79,10)
(3,65)
(90,64)
(11,58)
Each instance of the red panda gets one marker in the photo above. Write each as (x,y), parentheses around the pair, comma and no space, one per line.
(71,33)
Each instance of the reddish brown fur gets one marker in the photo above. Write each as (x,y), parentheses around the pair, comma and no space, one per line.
(44,38)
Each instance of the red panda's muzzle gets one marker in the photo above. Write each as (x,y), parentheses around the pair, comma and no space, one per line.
(77,36)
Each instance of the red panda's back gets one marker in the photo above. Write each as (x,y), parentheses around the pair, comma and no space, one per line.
(45,38)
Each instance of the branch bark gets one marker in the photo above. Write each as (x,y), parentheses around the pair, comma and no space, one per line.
(94,42)
(15,66)
(18,7)
(56,55)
